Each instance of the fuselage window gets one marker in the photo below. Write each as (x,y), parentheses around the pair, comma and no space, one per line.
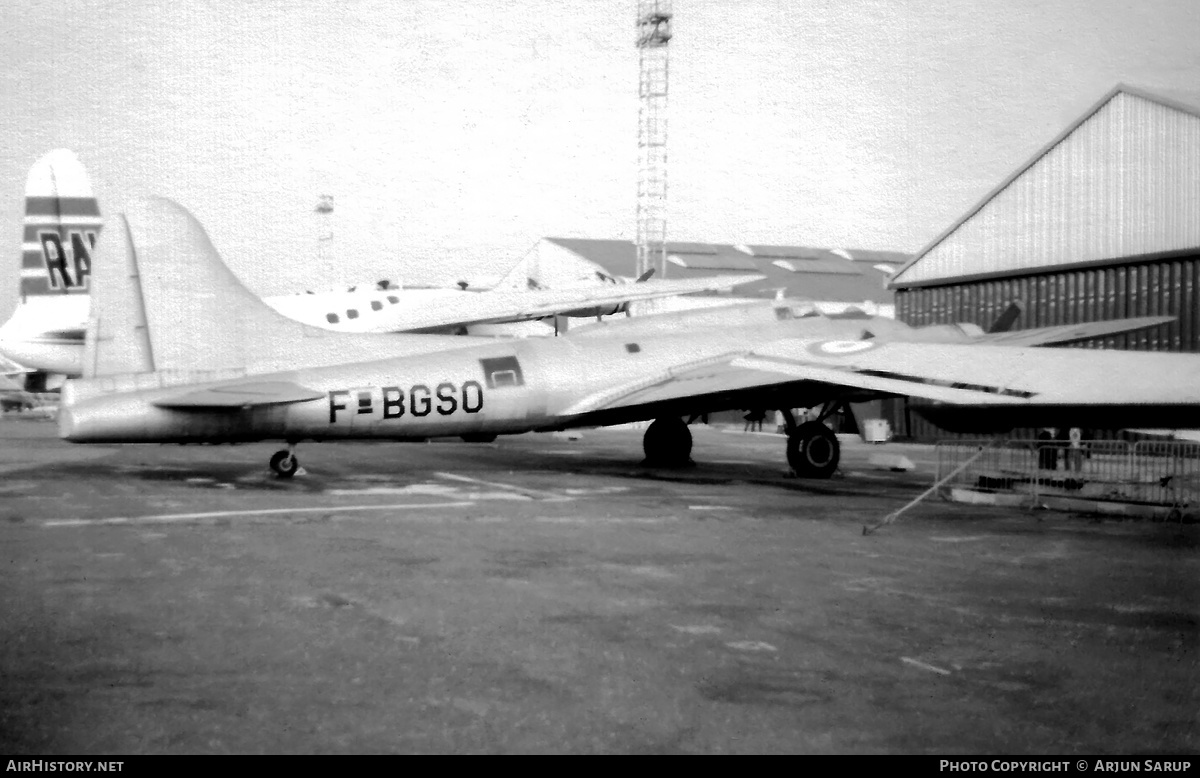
(393,299)
(632,348)
(502,378)
(332,318)
(501,372)
(352,314)
(376,305)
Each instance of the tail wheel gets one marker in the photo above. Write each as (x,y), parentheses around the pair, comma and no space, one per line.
(813,450)
(285,464)
(668,442)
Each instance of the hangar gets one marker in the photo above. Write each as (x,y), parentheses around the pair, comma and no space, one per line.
(1101,223)
(839,281)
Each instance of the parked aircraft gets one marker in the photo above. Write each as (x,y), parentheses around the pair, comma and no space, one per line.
(63,222)
(13,395)
(148,379)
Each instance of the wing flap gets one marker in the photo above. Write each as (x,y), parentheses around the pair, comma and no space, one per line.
(1070,333)
(889,382)
(790,361)
(241,395)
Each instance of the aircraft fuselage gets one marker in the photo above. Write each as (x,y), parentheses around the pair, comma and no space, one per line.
(507,387)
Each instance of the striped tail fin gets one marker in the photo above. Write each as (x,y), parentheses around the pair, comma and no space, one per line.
(62,223)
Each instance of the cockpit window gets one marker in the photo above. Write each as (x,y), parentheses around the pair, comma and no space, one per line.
(376,305)
(393,299)
(352,314)
(332,318)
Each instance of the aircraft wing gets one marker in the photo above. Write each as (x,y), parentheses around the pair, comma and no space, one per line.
(1070,333)
(508,306)
(955,374)
(10,368)
(240,395)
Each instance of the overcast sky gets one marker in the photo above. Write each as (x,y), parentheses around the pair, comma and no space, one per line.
(453,135)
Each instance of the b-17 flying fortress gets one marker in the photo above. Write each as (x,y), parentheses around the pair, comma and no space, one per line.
(240,371)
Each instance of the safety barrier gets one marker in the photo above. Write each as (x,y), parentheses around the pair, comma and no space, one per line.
(1093,474)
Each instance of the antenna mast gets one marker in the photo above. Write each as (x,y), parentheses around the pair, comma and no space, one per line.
(654,33)
(325,233)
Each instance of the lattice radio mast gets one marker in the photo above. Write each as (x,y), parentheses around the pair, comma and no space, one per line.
(324,231)
(654,33)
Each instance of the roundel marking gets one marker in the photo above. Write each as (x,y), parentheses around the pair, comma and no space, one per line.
(839,348)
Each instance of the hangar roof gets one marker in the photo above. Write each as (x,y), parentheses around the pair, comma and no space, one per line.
(835,275)
(1121,181)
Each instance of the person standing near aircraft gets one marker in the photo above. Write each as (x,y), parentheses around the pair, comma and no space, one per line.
(1047,452)
(1075,450)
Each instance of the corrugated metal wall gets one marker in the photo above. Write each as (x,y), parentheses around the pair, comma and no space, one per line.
(1124,182)
(1159,288)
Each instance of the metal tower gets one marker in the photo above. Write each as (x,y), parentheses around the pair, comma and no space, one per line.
(654,33)
(324,233)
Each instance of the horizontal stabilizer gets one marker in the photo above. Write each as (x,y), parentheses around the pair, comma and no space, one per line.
(241,395)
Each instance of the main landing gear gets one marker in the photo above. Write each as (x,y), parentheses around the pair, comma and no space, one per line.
(813,450)
(668,443)
(284,463)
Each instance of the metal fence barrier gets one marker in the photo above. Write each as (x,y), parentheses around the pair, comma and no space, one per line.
(1162,474)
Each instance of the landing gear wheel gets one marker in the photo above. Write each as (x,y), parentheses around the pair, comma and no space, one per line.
(285,464)
(479,437)
(668,443)
(813,451)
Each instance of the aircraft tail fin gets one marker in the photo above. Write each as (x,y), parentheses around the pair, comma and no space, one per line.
(117,339)
(1007,319)
(62,224)
(166,302)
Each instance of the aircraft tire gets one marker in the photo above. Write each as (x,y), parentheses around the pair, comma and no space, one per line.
(813,450)
(668,443)
(285,464)
(480,437)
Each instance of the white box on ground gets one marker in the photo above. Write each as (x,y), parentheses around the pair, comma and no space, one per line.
(877,430)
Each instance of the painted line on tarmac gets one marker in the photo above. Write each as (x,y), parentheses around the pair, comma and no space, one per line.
(540,494)
(167,518)
(917,663)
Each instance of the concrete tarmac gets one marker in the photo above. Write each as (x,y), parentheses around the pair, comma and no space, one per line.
(544,594)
